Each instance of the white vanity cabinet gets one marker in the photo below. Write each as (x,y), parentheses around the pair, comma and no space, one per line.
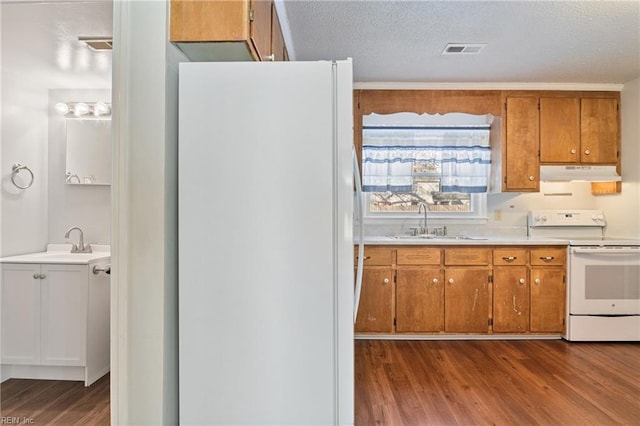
(55,321)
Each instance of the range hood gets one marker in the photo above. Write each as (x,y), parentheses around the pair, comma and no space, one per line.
(579,173)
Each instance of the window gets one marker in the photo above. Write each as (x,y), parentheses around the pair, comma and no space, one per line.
(444,166)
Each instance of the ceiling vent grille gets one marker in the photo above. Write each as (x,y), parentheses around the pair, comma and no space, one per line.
(97,43)
(463,48)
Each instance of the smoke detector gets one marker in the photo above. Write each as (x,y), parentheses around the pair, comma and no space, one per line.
(463,48)
(97,43)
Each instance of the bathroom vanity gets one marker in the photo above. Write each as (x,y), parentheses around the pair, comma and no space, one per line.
(55,314)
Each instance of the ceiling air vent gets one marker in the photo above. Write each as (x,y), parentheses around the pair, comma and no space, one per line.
(463,48)
(97,43)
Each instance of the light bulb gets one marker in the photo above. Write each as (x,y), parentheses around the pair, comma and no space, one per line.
(62,108)
(81,109)
(100,108)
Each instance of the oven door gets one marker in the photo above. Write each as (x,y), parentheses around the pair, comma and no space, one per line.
(604,281)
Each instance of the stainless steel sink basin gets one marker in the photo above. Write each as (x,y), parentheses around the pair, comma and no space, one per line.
(437,237)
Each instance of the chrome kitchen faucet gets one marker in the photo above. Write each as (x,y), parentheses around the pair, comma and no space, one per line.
(80,247)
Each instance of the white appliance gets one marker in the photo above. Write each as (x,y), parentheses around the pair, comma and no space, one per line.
(266,243)
(603,285)
(565,173)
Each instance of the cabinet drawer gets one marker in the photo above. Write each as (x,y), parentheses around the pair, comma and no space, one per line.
(548,256)
(376,256)
(467,256)
(509,256)
(418,256)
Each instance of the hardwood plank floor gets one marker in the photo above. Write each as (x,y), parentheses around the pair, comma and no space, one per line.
(509,382)
(55,402)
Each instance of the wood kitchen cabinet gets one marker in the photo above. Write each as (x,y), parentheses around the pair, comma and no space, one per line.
(579,130)
(510,290)
(377,298)
(521,168)
(467,293)
(419,290)
(599,131)
(55,321)
(548,290)
(231,30)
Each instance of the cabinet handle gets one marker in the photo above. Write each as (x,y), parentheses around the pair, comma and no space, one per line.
(450,280)
(435,281)
(271,57)
(547,258)
(364,258)
(509,258)
(531,178)
(43,276)
(587,151)
(537,281)
(386,281)
(36,276)
(573,151)
(521,281)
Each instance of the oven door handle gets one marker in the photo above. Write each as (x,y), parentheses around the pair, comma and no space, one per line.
(612,251)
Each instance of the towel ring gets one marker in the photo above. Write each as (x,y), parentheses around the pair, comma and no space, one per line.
(15,169)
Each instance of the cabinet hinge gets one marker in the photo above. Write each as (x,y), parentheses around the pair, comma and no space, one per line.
(394,321)
(250,15)
(395,277)
(538,105)
(490,321)
(618,154)
(491,278)
(564,279)
(505,179)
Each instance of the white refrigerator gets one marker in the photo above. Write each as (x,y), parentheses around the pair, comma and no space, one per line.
(266,284)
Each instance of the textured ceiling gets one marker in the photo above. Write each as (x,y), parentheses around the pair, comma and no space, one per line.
(539,41)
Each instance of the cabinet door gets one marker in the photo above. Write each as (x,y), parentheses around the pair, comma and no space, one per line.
(201,21)
(510,299)
(467,298)
(522,168)
(375,312)
(559,130)
(599,126)
(277,40)
(419,300)
(20,306)
(261,28)
(64,314)
(547,300)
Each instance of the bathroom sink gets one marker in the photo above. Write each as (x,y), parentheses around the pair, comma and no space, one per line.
(59,256)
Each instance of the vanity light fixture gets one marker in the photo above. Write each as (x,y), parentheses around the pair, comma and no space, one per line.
(83,109)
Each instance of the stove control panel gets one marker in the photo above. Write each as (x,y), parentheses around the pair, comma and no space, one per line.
(565,218)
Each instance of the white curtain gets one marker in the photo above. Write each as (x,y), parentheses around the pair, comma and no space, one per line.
(461,154)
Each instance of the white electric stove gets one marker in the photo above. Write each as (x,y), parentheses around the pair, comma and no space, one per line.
(603,275)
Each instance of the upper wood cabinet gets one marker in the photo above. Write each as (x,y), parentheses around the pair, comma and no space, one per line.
(579,130)
(559,130)
(232,30)
(599,130)
(521,168)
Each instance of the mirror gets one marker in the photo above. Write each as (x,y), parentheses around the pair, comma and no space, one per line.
(88,160)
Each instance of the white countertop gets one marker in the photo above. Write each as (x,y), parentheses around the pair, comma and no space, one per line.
(465,240)
(61,254)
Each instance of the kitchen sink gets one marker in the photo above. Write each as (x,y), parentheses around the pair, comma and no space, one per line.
(437,237)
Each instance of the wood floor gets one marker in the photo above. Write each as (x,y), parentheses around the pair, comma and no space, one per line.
(54,402)
(415,383)
(534,382)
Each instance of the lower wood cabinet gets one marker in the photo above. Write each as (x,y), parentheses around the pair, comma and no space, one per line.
(419,299)
(375,313)
(463,290)
(466,300)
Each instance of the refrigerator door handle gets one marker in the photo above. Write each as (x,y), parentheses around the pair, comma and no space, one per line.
(360,217)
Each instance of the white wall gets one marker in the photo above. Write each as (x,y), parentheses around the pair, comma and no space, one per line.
(86,206)
(144,242)
(39,52)
(623,210)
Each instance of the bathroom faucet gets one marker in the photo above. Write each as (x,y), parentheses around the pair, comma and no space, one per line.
(80,247)
(421,206)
